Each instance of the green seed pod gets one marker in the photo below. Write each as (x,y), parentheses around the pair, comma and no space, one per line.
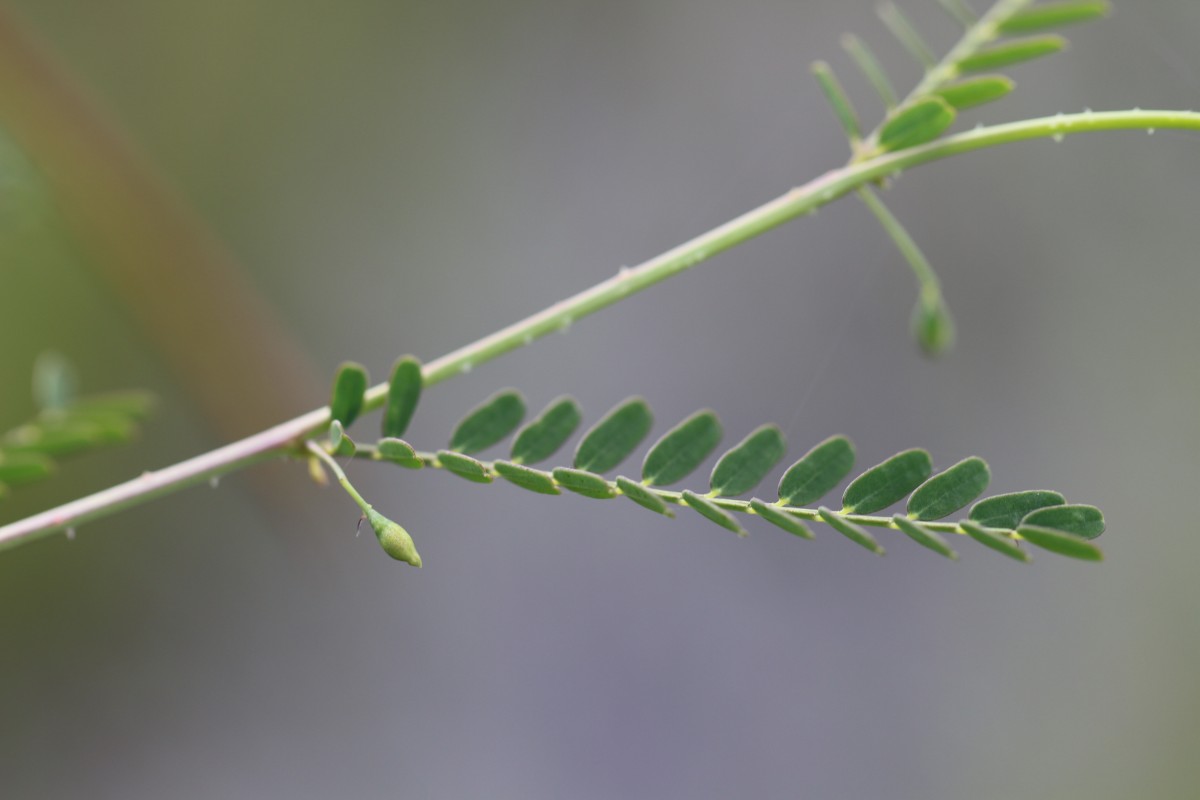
(394,540)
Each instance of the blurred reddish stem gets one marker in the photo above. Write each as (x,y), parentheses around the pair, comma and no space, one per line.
(180,285)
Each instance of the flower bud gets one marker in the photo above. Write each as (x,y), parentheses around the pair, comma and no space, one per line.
(933,327)
(394,540)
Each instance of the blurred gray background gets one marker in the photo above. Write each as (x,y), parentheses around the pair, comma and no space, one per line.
(401,177)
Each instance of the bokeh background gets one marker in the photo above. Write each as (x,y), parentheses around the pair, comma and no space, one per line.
(382,177)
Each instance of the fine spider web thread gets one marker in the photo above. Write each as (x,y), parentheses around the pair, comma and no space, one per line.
(1168,53)
(835,343)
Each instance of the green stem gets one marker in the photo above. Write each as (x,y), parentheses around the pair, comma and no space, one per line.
(287,438)
(338,473)
(922,269)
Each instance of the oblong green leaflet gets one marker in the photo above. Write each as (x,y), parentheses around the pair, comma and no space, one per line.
(710,511)
(1013,52)
(959,10)
(588,484)
(678,453)
(948,491)
(886,483)
(1083,521)
(57,440)
(349,386)
(1006,510)
(1061,542)
(781,519)
(916,124)
(744,467)
(997,542)
(134,404)
(19,468)
(842,106)
(399,452)
(815,475)
(339,443)
(542,437)
(643,496)
(464,466)
(976,91)
(1054,15)
(532,479)
(404,393)
(489,422)
(868,64)
(853,532)
(613,438)
(900,27)
(924,537)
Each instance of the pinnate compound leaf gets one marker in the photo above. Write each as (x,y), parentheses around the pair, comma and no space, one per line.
(1007,510)
(18,468)
(349,386)
(853,532)
(924,536)
(489,422)
(643,496)
(1061,542)
(464,466)
(1013,52)
(815,475)
(613,438)
(542,437)
(744,467)
(712,512)
(527,478)
(1055,15)
(781,519)
(1084,521)
(681,450)
(998,542)
(404,393)
(916,124)
(886,483)
(399,452)
(976,91)
(585,483)
(948,491)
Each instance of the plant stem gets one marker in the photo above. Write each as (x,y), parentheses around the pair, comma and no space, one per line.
(338,473)
(927,279)
(288,437)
